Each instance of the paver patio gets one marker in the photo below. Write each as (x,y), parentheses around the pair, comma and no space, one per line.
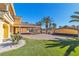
(46,37)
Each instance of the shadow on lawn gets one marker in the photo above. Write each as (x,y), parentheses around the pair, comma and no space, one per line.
(72,44)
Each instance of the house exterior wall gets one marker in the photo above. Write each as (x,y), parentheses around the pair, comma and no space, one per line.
(23,30)
(66,31)
(11,11)
(38,29)
(17,20)
(2,6)
(1,31)
(6,21)
(16,30)
(32,30)
(6,28)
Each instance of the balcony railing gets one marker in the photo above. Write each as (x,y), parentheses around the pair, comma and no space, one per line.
(2,13)
(10,16)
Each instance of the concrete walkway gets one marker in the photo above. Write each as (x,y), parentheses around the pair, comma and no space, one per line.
(45,37)
(6,46)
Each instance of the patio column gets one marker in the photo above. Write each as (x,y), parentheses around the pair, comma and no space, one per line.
(1,26)
(1,31)
(19,29)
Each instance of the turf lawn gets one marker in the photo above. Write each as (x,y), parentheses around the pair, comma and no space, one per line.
(38,48)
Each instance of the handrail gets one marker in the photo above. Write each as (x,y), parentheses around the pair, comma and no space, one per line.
(10,16)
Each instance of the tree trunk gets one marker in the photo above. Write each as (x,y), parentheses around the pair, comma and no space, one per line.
(46,29)
(41,30)
(54,30)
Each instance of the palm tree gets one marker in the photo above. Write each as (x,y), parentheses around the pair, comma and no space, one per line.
(60,26)
(47,21)
(65,26)
(39,23)
(54,27)
(75,19)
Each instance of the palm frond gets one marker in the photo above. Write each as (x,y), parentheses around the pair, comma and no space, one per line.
(70,49)
(76,12)
(39,23)
(75,16)
(74,21)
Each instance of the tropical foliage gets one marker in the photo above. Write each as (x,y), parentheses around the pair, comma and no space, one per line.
(53,26)
(75,19)
(16,38)
(39,23)
(47,21)
(71,44)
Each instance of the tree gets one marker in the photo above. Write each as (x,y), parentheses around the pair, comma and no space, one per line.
(47,21)
(65,26)
(39,23)
(73,26)
(75,18)
(60,26)
(54,27)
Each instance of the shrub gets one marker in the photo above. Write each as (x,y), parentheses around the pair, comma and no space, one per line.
(16,38)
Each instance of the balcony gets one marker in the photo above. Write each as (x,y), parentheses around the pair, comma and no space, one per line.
(8,17)
(2,12)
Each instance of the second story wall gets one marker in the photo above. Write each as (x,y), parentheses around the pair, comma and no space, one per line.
(2,6)
(17,20)
(11,10)
(8,7)
(66,31)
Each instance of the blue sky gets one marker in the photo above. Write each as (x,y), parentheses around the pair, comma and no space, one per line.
(33,12)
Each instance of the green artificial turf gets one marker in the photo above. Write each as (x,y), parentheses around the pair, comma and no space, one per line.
(39,48)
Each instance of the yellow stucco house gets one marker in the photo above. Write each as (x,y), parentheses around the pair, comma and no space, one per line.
(7,14)
(10,23)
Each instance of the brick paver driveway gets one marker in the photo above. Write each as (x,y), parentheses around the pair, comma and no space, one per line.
(45,37)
